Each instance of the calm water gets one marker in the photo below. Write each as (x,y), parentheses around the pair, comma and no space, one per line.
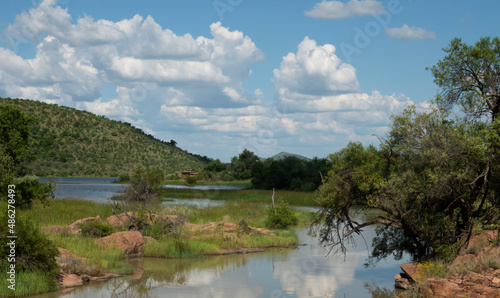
(101,189)
(302,272)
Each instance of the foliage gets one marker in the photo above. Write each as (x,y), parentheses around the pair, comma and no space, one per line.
(33,250)
(241,167)
(430,177)
(215,166)
(290,173)
(96,229)
(191,180)
(281,216)
(435,177)
(469,76)
(72,142)
(15,140)
(144,188)
(163,228)
(27,189)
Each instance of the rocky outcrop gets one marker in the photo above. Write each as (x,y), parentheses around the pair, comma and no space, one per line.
(148,239)
(131,242)
(468,284)
(74,273)
(473,273)
(402,281)
(64,253)
(124,220)
(228,229)
(406,279)
(72,229)
(69,280)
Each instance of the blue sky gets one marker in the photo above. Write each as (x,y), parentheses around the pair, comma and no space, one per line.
(219,76)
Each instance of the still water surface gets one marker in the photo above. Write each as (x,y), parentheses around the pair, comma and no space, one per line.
(306,271)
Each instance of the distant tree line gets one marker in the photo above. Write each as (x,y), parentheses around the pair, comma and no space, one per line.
(288,173)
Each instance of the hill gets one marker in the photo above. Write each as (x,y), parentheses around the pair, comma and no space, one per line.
(283,155)
(75,143)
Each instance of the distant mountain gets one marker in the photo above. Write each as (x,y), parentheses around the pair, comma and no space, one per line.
(74,143)
(283,155)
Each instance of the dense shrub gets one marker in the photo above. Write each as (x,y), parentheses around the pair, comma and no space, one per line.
(27,189)
(96,229)
(281,216)
(162,228)
(33,250)
(191,180)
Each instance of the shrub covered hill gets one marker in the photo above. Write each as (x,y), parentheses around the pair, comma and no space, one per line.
(77,143)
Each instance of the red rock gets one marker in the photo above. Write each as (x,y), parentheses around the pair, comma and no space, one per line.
(69,280)
(401,282)
(106,277)
(131,242)
(73,229)
(441,288)
(148,239)
(410,269)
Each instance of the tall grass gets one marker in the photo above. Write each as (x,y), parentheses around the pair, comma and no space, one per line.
(67,211)
(295,198)
(28,283)
(102,259)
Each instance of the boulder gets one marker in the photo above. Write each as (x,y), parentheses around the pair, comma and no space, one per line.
(120,220)
(148,239)
(73,229)
(401,281)
(106,277)
(441,288)
(410,269)
(64,253)
(69,280)
(131,242)
(229,229)
(123,220)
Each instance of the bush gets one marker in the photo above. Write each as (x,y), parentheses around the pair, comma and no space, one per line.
(27,189)
(96,229)
(163,228)
(191,180)
(33,250)
(281,216)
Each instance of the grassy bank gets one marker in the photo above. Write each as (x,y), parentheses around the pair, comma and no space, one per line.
(235,183)
(294,198)
(187,244)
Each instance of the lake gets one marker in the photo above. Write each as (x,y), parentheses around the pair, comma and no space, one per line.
(306,271)
(101,189)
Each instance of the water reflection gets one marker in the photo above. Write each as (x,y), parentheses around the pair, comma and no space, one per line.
(203,187)
(200,203)
(301,272)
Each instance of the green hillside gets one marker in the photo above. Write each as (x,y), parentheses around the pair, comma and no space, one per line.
(283,155)
(76,143)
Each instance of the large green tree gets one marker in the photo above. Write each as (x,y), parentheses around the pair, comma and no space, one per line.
(15,140)
(16,147)
(469,76)
(434,177)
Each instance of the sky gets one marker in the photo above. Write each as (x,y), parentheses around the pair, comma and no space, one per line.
(219,76)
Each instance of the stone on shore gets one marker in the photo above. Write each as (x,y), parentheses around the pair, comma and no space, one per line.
(131,242)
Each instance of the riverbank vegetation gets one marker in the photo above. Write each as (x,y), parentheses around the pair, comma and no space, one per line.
(294,198)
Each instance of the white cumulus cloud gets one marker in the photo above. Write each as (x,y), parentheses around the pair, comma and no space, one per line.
(315,70)
(406,32)
(337,9)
